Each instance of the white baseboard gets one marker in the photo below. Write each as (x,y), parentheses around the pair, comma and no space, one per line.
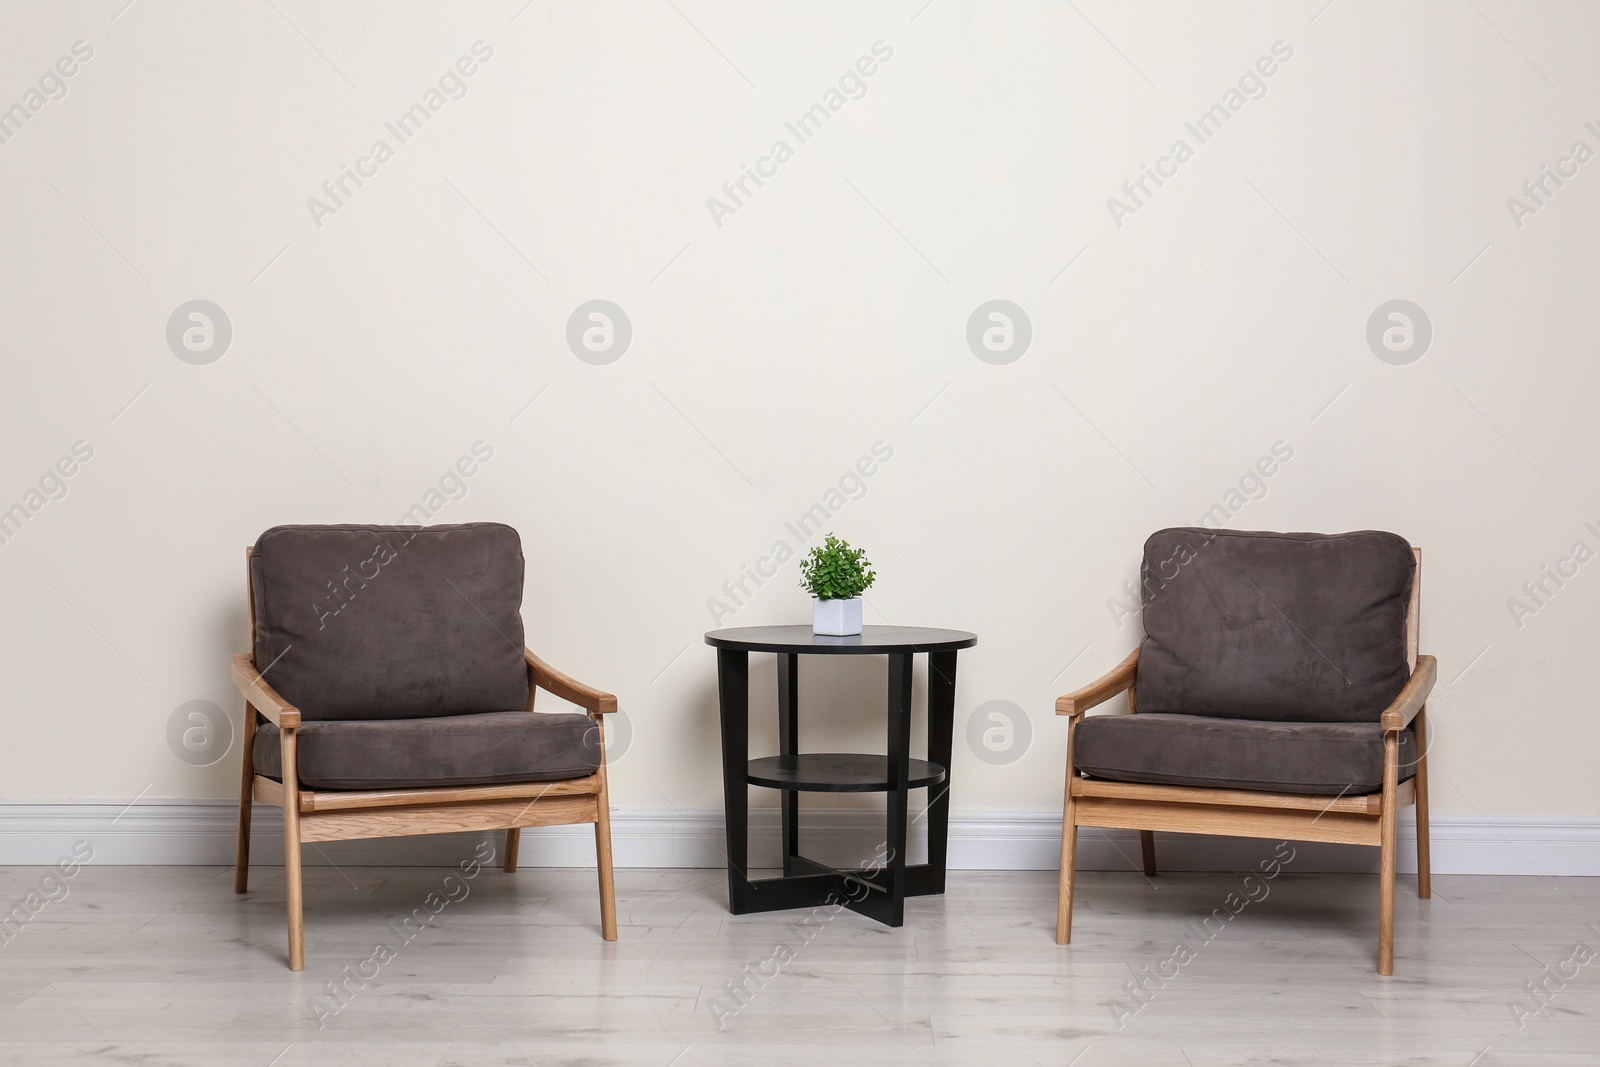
(202,832)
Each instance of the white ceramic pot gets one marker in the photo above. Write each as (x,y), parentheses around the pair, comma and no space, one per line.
(836,617)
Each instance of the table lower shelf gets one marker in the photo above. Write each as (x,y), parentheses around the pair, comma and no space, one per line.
(837,772)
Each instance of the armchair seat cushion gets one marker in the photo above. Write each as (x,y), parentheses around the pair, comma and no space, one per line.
(488,748)
(1330,758)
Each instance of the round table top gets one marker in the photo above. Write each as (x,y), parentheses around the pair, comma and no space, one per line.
(871,641)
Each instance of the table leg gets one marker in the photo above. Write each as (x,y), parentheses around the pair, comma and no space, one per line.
(899,777)
(941,727)
(789,745)
(733,699)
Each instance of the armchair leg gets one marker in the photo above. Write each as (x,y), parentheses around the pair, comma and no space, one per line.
(513,839)
(247,783)
(291,854)
(1386,865)
(602,841)
(1069,860)
(1069,851)
(602,848)
(1147,849)
(1424,863)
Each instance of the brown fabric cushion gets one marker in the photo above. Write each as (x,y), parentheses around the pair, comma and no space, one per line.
(1285,627)
(1291,757)
(391,622)
(503,746)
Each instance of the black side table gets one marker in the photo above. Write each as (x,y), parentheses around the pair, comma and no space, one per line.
(877,892)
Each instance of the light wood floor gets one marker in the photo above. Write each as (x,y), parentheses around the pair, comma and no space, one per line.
(165,965)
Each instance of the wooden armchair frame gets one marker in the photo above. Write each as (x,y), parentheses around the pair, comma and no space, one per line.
(342,815)
(1355,820)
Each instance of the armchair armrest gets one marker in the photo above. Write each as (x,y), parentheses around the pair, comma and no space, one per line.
(551,680)
(1117,680)
(1405,707)
(262,696)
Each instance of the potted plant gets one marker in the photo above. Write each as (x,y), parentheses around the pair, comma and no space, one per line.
(836,575)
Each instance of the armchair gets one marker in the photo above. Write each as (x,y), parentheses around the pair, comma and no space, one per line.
(1278,693)
(401,698)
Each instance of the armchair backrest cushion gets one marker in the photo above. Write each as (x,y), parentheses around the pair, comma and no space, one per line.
(391,622)
(1291,627)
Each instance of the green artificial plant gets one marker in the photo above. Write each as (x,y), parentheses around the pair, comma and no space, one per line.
(835,571)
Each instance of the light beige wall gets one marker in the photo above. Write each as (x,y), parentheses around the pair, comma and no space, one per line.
(826,314)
